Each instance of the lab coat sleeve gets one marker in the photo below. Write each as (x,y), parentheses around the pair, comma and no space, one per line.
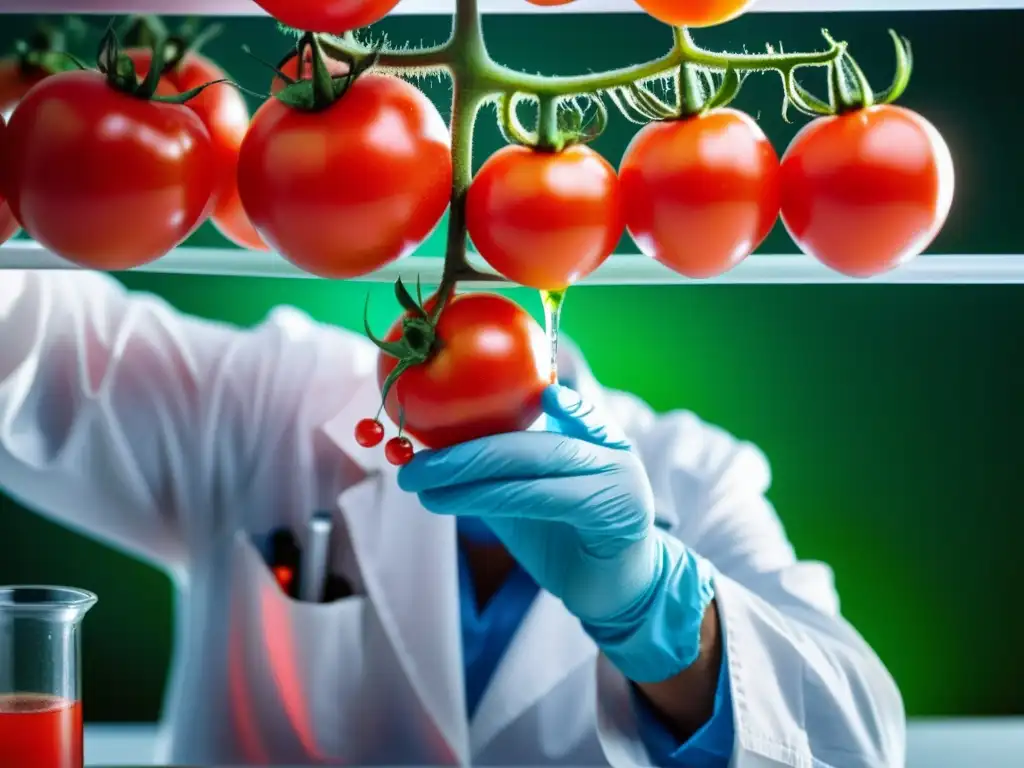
(806,689)
(142,427)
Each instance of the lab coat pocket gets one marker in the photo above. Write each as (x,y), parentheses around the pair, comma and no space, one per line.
(296,668)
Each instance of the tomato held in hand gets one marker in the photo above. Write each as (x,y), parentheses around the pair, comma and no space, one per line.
(545,219)
(700,194)
(343,191)
(695,13)
(868,190)
(486,377)
(332,16)
(104,179)
(226,116)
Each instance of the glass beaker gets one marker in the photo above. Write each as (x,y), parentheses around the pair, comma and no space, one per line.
(41,676)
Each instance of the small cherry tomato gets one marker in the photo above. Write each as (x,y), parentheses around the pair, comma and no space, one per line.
(398,451)
(226,116)
(104,179)
(695,13)
(487,376)
(343,191)
(866,191)
(700,194)
(545,219)
(369,432)
(332,16)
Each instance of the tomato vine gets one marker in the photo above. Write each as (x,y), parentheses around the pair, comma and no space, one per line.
(478,80)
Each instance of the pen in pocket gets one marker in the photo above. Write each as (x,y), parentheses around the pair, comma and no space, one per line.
(316,558)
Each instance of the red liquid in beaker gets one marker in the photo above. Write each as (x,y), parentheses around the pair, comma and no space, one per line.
(40,731)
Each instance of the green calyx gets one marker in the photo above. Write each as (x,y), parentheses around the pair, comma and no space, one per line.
(419,341)
(119,69)
(696,90)
(849,89)
(562,121)
(322,89)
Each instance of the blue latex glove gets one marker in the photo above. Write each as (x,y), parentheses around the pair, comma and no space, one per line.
(576,510)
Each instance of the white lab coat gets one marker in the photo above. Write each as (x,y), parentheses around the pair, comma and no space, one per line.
(178,439)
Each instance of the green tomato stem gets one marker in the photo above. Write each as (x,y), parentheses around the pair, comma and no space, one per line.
(550,138)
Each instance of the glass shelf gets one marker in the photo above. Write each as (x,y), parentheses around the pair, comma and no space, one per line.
(249,8)
(621,269)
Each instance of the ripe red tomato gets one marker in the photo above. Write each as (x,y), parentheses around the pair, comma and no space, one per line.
(545,219)
(8,224)
(333,16)
(866,191)
(104,179)
(700,194)
(343,191)
(226,116)
(485,379)
(695,13)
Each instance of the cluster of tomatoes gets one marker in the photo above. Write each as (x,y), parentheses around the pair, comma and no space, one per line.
(111,181)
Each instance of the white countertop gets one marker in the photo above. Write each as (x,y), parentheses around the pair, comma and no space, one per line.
(939,743)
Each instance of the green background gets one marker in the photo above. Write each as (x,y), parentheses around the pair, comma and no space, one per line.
(891,414)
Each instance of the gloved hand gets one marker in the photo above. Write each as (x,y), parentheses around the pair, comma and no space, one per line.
(576,510)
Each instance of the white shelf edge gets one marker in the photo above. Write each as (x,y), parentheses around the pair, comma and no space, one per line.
(951,269)
(434,7)
(931,742)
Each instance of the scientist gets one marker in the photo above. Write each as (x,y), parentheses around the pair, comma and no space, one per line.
(615,590)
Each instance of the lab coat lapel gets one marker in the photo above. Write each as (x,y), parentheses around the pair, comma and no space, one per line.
(548,647)
(407,558)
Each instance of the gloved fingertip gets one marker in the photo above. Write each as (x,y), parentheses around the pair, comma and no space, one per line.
(560,401)
(412,477)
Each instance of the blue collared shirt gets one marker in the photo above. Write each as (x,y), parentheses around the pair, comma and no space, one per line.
(487,633)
